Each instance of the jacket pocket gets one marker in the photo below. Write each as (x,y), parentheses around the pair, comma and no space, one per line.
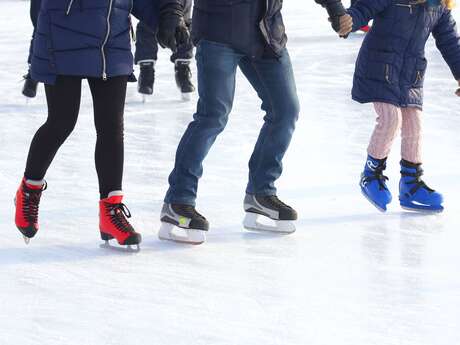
(380,66)
(420,69)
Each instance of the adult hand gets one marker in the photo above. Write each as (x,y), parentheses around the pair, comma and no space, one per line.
(458,90)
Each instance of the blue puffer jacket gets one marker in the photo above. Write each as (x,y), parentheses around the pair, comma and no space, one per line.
(89,38)
(391,63)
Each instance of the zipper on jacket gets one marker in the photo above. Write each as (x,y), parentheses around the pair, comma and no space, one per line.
(104,60)
(387,73)
(69,7)
(410,7)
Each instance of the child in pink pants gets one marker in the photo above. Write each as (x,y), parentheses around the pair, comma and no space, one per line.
(390,72)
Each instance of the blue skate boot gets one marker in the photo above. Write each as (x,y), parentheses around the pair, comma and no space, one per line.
(373,183)
(414,194)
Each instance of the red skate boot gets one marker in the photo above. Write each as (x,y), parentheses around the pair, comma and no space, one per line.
(365,28)
(27,201)
(113,222)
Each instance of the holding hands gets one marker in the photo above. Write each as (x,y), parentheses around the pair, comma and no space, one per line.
(345,25)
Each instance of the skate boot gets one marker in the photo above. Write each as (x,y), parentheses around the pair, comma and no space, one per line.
(373,183)
(113,222)
(30,86)
(414,194)
(271,208)
(146,78)
(27,202)
(184,78)
(182,223)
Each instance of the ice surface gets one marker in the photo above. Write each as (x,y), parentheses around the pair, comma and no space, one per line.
(349,276)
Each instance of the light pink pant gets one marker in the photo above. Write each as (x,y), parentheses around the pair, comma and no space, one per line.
(390,119)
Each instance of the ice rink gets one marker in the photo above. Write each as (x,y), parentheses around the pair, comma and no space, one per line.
(349,275)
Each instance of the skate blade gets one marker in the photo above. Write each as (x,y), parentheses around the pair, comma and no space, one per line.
(422,210)
(170,232)
(123,249)
(26,239)
(381,209)
(186,97)
(251,223)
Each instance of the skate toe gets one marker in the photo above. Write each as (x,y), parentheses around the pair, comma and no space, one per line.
(133,239)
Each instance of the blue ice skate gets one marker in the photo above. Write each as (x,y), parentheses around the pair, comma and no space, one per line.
(373,183)
(414,194)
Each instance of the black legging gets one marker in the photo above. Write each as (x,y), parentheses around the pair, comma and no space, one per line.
(63,107)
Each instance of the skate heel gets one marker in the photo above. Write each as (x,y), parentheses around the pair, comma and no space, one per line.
(106,237)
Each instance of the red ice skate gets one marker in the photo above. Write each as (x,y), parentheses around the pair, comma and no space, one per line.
(27,201)
(113,221)
(365,28)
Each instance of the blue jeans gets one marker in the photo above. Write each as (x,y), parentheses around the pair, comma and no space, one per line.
(273,79)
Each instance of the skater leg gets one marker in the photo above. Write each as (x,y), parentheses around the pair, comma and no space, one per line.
(109,102)
(63,100)
(373,181)
(389,119)
(414,194)
(411,135)
(273,79)
(216,87)
(146,44)
(182,58)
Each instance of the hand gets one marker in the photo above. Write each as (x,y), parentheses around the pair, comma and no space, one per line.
(172,30)
(346,25)
(458,90)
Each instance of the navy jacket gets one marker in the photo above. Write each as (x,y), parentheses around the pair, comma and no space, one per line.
(89,38)
(250,26)
(391,63)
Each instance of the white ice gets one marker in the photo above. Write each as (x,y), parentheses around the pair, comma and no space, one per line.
(349,275)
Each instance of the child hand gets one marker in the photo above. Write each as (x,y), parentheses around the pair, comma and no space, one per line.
(346,25)
(458,90)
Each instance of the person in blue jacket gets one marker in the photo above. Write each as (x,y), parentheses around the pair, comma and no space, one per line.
(249,35)
(146,56)
(76,40)
(30,86)
(390,72)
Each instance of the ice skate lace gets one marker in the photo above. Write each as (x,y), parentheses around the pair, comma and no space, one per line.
(377,175)
(417,181)
(276,203)
(118,214)
(31,202)
(187,211)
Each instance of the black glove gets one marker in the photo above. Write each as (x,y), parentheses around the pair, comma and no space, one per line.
(172,30)
(335,9)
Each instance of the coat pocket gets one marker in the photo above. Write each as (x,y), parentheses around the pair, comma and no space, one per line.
(380,66)
(420,69)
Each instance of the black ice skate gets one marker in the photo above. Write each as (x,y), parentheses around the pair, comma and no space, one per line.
(184,78)
(146,78)
(183,224)
(30,86)
(269,207)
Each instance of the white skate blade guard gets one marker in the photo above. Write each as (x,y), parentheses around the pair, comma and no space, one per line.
(251,222)
(170,232)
